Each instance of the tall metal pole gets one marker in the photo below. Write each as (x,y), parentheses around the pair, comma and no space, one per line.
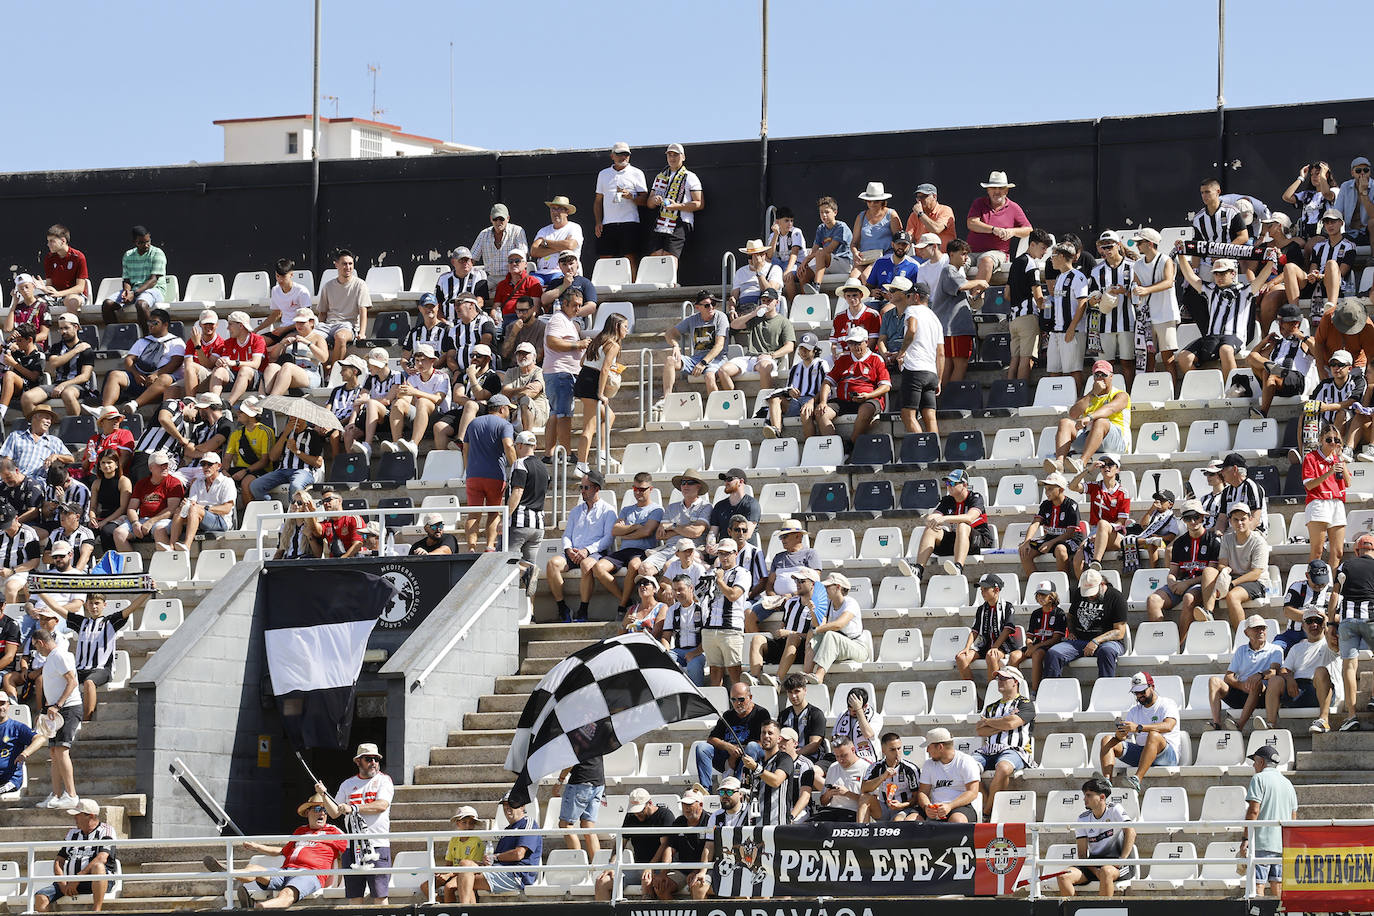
(450,92)
(315,151)
(763,118)
(1221,97)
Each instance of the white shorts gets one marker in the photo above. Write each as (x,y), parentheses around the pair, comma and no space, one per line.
(1061,356)
(1329,512)
(744,363)
(1166,335)
(1118,345)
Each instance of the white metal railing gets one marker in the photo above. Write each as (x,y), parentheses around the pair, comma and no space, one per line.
(380,515)
(223,846)
(559,480)
(646,386)
(727,275)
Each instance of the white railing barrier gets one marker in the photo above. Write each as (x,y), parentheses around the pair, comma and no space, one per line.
(381,514)
(559,472)
(646,386)
(1036,864)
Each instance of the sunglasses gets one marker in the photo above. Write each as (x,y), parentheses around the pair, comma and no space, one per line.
(584,486)
(1331,441)
(1192,518)
(738,699)
(498,219)
(318,809)
(1314,623)
(642,489)
(727,793)
(371,757)
(1101,375)
(1362,171)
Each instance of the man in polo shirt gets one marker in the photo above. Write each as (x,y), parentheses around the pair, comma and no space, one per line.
(993,221)
(516,283)
(144,268)
(34,450)
(859,383)
(930,216)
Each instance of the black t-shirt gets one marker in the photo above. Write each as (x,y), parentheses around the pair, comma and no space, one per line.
(1293,253)
(687,847)
(645,845)
(809,724)
(722,511)
(429,544)
(1193,554)
(31,361)
(745,730)
(531,477)
(1055,520)
(24,496)
(948,506)
(1354,578)
(1089,618)
(9,633)
(588,773)
(1023,277)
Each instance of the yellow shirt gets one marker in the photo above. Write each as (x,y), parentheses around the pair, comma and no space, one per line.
(460,848)
(1121,420)
(259,439)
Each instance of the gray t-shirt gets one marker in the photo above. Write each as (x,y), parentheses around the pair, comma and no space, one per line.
(699,336)
(1253,554)
(950,303)
(635,514)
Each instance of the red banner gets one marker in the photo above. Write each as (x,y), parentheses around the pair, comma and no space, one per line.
(1328,869)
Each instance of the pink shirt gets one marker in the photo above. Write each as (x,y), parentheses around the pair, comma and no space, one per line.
(1008,216)
(570,361)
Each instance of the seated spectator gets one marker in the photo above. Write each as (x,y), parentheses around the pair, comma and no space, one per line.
(683,620)
(1230,309)
(296,541)
(238,358)
(87,858)
(1305,680)
(152,504)
(1148,733)
(706,332)
(736,501)
(471,328)
(950,301)
(435,541)
(686,518)
(840,799)
(72,364)
(1157,530)
(1242,568)
(425,392)
(206,430)
(782,571)
(1340,402)
(559,236)
(921,357)
(1101,419)
(891,329)
(767,338)
(18,740)
(1344,326)
(1047,626)
(1192,575)
(23,494)
(110,494)
(599,373)
(993,221)
(471,394)
(151,370)
(1064,305)
(1313,191)
(22,364)
(570,282)
(344,305)
(1325,482)
(65,272)
(1247,677)
(1333,258)
(96,634)
(495,242)
(786,247)
(297,361)
(1109,512)
(1286,286)
(1096,627)
(489,447)
(646,614)
(1240,488)
(683,847)
(209,506)
(250,446)
(896,263)
(286,298)
(523,384)
(642,812)
(1006,729)
(956,527)
(859,383)
(1352,598)
(860,724)
(928,215)
(798,397)
(69,530)
(993,635)
(528,327)
(857,313)
(518,282)
(799,615)
(874,229)
(110,436)
(460,847)
(735,735)
(889,788)
(59,488)
(1054,530)
(315,849)
(146,284)
(637,529)
(1098,840)
(340,536)
(829,248)
(749,282)
(839,637)
(950,781)
(34,450)
(587,536)
(298,455)
(731,813)
(431,329)
(1312,591)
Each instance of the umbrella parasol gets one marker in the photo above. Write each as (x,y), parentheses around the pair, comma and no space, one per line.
(309,411)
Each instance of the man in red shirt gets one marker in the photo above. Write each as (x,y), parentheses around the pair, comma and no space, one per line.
(517,282)
(1109,510)
(315,848)
(856,314)
(237,358)
(110,435)
(64,268)
(859,382)
(342,534)
(154,501)
(993,221)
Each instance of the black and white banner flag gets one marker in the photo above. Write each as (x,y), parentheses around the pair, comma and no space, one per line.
(594,701)
(316,625)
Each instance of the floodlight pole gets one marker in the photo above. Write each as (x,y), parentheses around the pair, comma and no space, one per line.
(1221,97)
(315,150)
(763,117)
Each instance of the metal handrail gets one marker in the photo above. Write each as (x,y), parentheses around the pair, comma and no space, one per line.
(559,473)
(462,633)
(727,274)
(646,386)
(381,514)
(769,216)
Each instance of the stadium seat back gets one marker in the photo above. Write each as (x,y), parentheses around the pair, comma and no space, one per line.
(1157,438)
(829,496)
(835,544)
(1009,394)
(386,281)
(945,643)
(1018,490)
(1144,583)
(1164,803)
(659,270)
(954,698)
(395,520)
(391,326)
(899,592)
(444,465)
(75,431)
(810,310)
(780,499)
(823,451)
(611,272)
(1200,385)
(1170,871)
(874,496)
(119,337)
(1059,695)
(947,591)
(1111,695)
(1209,437)
(396,468)
(1013,444)
(1223,803)
(1055,391)
(905,698)
(683,455)
(1221,749)
(920,448)
(1014,807)
(605,310)
(1062,750)
(962,395)
(1257,435)
(251,286)
(902,644)
(965,446)
(726,406)
(871,448)
(778,454)
(1152,386)
(994,349)
(920,495)
(1280,739)
(426,277)
(731,453)
(205,288)
(349,468)
(681,407)
(882,543)
(1156,638)
(661,758)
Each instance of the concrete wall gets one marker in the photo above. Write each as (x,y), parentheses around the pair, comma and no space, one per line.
(429,711)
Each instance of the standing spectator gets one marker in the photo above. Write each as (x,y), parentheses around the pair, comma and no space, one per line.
(1324,474)
(753,278)
(889,788)
(993,636)
(88,853)
(1006,728)
(1230,310)
(582,787)
(922,356)
(951,304)
(525,492)
(62,705)
(1304,681)
(1054,529)
(1353,203)
(563,347)
(786,243)
(1101,419)
(1098,839)
(344,303)
(620,191)
(683,619)
(767,338)
(1242,568)
(677,196)
(151,369)
(1247,678)
(956,527)
(839,637)
(299,458)
(874,230)
(364,801)
(1353,596)
(993,221)
(1148,733)
(518,282)
(643,812)
(950,781)
(1097,627)
(493,245)
(72,363)
(637,529)
(1047,626)
(65,272)
(471,391)
(839,801)
(145,286)
(1109,287)
(489,449)
(1269,797)
(735,736)
(929,215)
(561,235)
(829,247)
(1153,288)
(860,384)
(587,535)
(153,502)
(1026,293)
(593,385)
(723,639)
(515,847)
(805,720)
(1062,318)
(707,332)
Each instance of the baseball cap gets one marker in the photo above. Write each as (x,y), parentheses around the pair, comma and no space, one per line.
(1192,507)
(938,736)
(427,300)
(925,187)
(620,146)
(378,357)
(23,278)
(1090,583)
(839,579)
(1313,611)
(1010,674)
(1109,236)
(1234,460)
(68,318)
(159,457)
(902,236)
(855,335)
(1359,160)
(804,572)
(85,806)
(355,361)
(597,479)
(1046,587)
(691,796)
(1333,213)
(735,472)
(497,400)
(990,580)
(1276,217)
(499,210)
(462,251)
(1141,682)
(1108,458)
(207,399)
(1343,357)
(639,800)
(927,239)
(1165,496)
(238,317)
(208,316)
(210,458)
(727,545)
(305,314)
(247,408)
(568,256)
(676,148)
(425,351)
(1238,506)
(1254,620)
(729,782)
(1265,752)
(1319,571)
(464,812)
(788,734)
(1102,365)
(768,295)
(61,548)
(1148,235)
(1289,312)
(516,253)
(1223,264)
(958,475)
(525,347)
(812,341)
(684,544)
(921,288)
(525,437)
(1055,480)
(482,350)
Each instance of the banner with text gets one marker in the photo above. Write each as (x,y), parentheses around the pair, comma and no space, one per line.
(1328,869)
(860,860)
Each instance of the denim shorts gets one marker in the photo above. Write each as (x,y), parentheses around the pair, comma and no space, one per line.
(559,387)
(1114,441)
(988,761)
(1354,635)
(581,803)
(305,885)
(1130,755)
(692,360)
(1265,873)
(213,521)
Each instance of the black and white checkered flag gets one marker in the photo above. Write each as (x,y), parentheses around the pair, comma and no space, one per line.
(594,701)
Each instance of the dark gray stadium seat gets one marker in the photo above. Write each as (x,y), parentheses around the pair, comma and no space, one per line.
(388,330)
(348,470)
(874,496)
(920,495)
(1006,395)
(76,430)
(396,468)
(958,400)
(965,447)
(872,449)
(828,497)
(118,338)
(920,448)
(398,519)
(994,352)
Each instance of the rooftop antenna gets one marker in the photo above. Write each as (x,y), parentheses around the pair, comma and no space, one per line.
(335,100)
(374,69)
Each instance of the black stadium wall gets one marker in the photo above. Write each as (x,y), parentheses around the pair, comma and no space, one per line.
(1071,175)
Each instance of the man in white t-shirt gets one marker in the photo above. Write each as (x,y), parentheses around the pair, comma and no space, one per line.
(1154,289)
(287,298)
(560,235)
(620,191)
(62,704)
(1147,734)
(364,801)
(949,781)
(841,796)
(922,359)
(151,371)
(1305,681)
(933,259)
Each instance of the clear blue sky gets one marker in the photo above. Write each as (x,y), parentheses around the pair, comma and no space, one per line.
(583,73)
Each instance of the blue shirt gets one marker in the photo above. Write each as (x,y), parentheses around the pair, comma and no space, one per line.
(635,514)
(485,454)
(884,269)
(534,849)
(29,451)
(589,528)
(1247,662)
(839,231)
(14,737)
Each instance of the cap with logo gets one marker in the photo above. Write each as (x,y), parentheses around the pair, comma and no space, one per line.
(1141,681)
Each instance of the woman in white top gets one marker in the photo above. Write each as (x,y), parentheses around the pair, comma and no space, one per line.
(424,392)
(591,384)
(304,352)
(840,637)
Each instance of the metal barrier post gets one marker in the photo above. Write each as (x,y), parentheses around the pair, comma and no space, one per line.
(646,386)
(769,216)
(1249,862)
(560,484)
(617,872)
(229,868)
(28,880)
(727,274)
(1033,863)
(603,451)
(429,865)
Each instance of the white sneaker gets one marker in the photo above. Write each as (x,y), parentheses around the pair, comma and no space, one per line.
(388,446)
(93,411)
(410,447)
(66,801)
(49,802)
(7,788)
(131,408)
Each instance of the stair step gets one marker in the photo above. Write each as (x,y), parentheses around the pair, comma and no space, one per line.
(463,793)
(491,720)
(440,803)
(512,702)
(149,904)
(559,649)
(1319,793)
(538,666)
(455,756)
(1334,811)
(517,683)
(482,738)
(564,632)
(493,773)
(1352,760)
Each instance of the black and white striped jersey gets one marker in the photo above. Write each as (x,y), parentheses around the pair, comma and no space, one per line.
(440,337)
(1328,392)
(1222,226)
(96,638)
(467,336)
(157,438)
(1355,582)
(1229,310)
(1062,302)
(806,379)
(20,547)
(1121,319)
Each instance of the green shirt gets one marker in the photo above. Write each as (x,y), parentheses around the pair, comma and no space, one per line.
(765,335)
(1277,802)
(137,268)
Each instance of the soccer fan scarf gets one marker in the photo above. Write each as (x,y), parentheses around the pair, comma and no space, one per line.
(667,219)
